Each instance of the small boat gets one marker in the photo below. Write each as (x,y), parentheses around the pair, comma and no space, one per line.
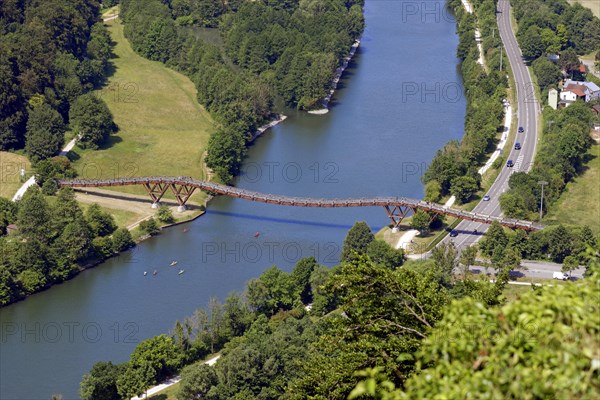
(257,234)
(173,263)
(145,273)
(155,272)
(181,271)
(185,230)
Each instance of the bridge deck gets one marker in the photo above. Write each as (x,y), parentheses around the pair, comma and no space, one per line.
(402,202)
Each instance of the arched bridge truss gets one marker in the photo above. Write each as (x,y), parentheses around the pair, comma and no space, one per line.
(397,208)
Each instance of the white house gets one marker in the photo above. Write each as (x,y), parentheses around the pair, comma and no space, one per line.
(571,93)
(590,89)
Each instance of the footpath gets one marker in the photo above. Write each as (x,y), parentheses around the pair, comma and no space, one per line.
(170,382)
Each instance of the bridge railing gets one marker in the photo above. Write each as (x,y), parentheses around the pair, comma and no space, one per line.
(412,204)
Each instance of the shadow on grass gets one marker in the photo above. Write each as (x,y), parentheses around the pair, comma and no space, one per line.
(159,397)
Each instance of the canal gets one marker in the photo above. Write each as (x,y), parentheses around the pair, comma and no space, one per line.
(398,102)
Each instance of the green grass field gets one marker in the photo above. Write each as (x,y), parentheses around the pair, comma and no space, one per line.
(593,5)
(10,176)
(580,202)
(163,130)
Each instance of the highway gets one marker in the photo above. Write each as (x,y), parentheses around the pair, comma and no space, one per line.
(527,117)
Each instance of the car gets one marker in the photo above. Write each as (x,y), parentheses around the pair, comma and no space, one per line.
(560,275)
(453,233)
(521,130)
(486,198)
(510,163)
(517,146)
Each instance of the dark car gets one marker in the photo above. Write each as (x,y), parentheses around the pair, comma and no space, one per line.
(510,163)
(521,130)
(517,146)
(453,234)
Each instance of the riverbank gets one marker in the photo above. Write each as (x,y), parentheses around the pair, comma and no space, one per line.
(279,118)
(336,80)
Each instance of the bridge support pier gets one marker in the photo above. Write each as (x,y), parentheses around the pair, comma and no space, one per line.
(396,214)
(155,204)
(181,208)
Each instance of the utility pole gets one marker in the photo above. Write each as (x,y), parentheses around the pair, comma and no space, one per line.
(543,183)
(493,33)
(501,58)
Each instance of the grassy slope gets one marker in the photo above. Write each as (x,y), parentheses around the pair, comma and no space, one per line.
(10,167)
(593,5)
(163,129)
(580,202)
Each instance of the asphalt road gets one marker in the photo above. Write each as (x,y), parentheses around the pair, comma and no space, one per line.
(527,117)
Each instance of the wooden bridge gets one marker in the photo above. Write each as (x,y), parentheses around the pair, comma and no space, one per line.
(396,208)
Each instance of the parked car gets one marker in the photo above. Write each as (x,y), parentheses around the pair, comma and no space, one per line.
(453,234)
(517,146)
(521,130)
(486,198)
(510,163)
(560,275)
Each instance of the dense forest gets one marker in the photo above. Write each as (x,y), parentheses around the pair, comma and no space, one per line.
(52,241)
(271,48)
(376,328)
(52,52)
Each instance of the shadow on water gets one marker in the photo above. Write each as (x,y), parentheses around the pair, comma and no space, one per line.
(280,220)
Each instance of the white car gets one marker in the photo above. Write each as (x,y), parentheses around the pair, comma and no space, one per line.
(560,275)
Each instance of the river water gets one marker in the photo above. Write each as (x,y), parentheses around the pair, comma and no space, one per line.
(381,131)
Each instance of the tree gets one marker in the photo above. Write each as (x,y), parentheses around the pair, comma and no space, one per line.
(149,226)
(300,278)
(75,241)
(531,43)
(165,215)
(135,380)
(91,120)
(546,72)
(570,264)
(467,258)
(559,243)
(569,60)
(357,240)
(420,221)
(551,41)
(463,187)
(382,253)
(433,191)
(33,217)
(101,223)
(382,325)
(101,382)
(53,168)
(445,259)
(45,133)
(271,292)
(196,381)
(12,106)
(122,240)
(528,342)
(160,354)
(493,238)
(236,316)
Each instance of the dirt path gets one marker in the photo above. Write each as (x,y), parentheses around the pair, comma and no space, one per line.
(139,205)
